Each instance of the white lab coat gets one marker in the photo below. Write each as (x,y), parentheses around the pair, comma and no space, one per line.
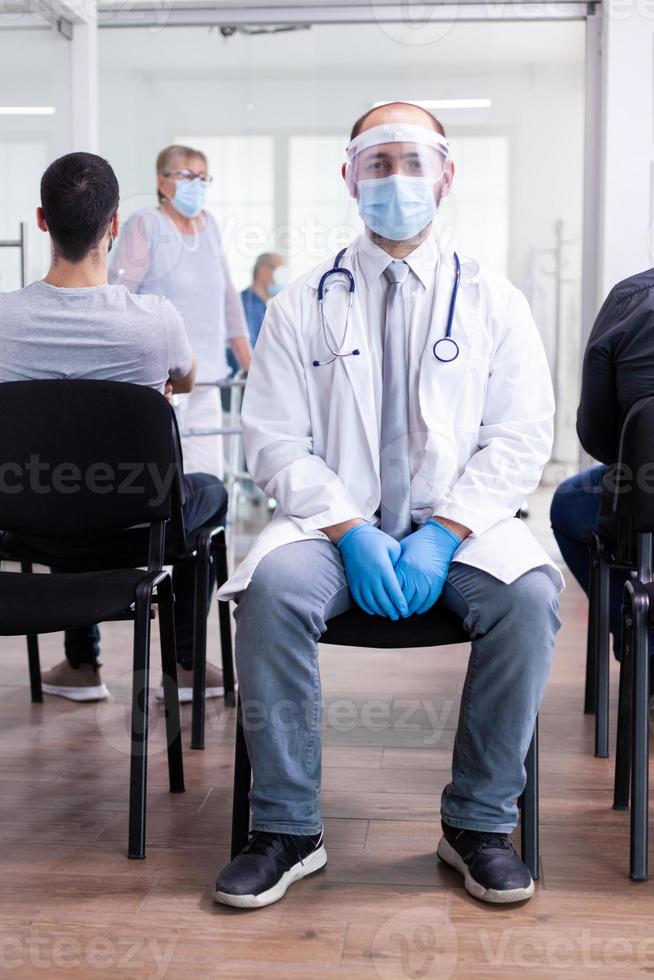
(311,434)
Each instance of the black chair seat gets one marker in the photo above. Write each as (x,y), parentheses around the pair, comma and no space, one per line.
(93,554)
(84,554)
(48,603)
(435,628)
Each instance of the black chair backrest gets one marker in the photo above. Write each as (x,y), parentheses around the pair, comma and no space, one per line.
(633,491)
(84,457)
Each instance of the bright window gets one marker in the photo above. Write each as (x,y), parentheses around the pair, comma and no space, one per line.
(480,199)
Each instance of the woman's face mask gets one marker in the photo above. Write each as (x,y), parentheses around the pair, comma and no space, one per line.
(190,197)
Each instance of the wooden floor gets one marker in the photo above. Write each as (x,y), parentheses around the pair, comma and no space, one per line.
(73,906)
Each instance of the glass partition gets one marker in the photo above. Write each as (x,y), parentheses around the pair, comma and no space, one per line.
(34,129)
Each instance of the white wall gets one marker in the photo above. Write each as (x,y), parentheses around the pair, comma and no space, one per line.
(626,198)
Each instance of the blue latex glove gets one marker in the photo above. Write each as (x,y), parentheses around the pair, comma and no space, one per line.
(368,556)
(424,563)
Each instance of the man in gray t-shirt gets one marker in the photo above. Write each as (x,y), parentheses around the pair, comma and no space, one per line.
(99,332)
(73,324)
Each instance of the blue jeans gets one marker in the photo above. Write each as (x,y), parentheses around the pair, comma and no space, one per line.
(205,504)
(574,514)
(280,617)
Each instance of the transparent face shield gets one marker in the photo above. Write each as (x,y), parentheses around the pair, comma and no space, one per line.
(396,150)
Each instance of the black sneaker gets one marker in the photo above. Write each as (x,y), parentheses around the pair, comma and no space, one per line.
(266,866)
(492,870)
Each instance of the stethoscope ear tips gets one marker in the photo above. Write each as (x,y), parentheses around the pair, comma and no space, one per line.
(316,363)
(356,351)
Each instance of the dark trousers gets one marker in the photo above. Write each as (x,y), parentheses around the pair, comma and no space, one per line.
(574,515)
(205,505)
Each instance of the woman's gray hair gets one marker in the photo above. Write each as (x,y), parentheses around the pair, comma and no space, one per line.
(169,156)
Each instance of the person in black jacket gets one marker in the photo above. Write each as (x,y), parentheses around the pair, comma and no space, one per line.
(618,371)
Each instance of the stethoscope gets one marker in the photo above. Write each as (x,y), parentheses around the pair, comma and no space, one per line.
(445,349)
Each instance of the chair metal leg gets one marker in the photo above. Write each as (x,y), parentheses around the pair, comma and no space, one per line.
(640,734)
(590,699)
(603,659)
(200,640)
(224,619)
(242,782)
(139,745)
(34,668)
(33,660)
(623,733)
(529,810)
(171,693)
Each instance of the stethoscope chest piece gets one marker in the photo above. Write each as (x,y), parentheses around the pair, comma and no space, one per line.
(446,349)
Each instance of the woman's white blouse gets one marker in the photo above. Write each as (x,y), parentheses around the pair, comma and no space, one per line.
(152,256)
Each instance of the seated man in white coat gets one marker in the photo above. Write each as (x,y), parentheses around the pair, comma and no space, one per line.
(398,450)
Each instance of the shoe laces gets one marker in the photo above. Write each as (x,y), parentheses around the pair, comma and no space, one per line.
(266,843)
(480,841)
(495,841)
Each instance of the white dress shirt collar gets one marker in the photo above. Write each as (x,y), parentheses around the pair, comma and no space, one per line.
(423,261)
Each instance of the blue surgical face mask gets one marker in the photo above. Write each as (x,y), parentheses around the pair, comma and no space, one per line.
(396,207)
(273,289)
(190,197)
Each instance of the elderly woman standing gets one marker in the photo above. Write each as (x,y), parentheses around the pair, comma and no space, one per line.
(175,250)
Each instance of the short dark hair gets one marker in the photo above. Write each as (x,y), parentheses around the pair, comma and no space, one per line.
(359,124)
(79,197)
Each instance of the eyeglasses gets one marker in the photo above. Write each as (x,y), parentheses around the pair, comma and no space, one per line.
(186,174)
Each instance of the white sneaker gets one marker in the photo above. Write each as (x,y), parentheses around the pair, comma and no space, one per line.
(214,684)
(81,683)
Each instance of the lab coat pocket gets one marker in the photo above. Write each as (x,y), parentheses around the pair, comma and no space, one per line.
(452,393)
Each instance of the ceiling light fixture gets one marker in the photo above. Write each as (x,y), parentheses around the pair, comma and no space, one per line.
(441,103)
(27,110)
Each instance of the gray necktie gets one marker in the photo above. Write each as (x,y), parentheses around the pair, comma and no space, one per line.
(394,446)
